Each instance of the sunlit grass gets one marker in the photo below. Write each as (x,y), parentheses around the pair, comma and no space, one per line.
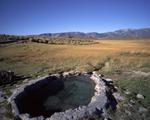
(34,58)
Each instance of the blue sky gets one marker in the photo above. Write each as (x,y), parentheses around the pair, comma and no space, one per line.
(42,16)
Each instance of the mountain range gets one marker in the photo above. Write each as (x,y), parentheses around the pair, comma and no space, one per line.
(118,34)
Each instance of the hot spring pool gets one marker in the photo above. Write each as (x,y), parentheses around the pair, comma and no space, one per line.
(55,95)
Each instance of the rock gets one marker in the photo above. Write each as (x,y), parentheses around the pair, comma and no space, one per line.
(72,72)
(27,117)
(142,109)
(130,105)
(118,106)
(66,74)
(38,76)
(77,73)
(108,80)
(118,96)
(127,92)
(132,101)
(139,96)
(57,75)
(12,90)
(127,112)
(115,87)
(26,80)
(23,117)
(38,118)
(6,77)
(85,73)
(101,75)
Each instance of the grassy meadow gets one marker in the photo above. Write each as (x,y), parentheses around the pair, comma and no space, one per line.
(127,62)
(37,58)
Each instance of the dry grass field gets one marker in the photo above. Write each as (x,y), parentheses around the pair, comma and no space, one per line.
(37,58)
(127,62)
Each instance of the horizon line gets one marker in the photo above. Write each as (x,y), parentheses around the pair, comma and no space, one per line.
(76,32)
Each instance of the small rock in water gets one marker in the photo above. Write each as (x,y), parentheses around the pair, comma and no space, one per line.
(140,96)
(142,109)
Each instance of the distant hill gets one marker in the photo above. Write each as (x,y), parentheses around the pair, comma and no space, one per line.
(128,33)
(118,34)
(143,33)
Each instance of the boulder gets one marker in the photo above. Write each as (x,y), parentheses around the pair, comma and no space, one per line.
(139,96)
(6,77)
